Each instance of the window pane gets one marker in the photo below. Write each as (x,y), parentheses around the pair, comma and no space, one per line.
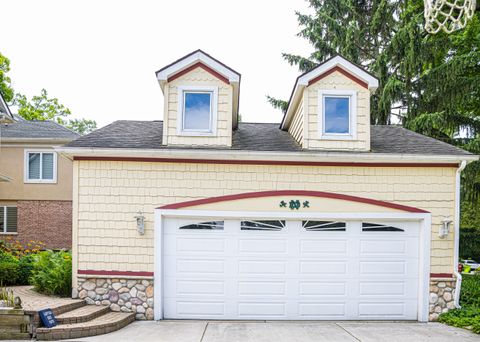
(320,226)
(266,225)
(197,111)
(34,166)
(213,225)
(47,166)
(11,219)
(336,114)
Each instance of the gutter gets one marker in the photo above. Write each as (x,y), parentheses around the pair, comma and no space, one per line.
(458,284)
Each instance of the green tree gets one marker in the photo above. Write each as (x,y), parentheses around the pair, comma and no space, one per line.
(5,83)
(428,83)
(40,107)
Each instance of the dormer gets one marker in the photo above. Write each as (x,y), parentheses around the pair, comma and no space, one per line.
(201,101)
(329,108)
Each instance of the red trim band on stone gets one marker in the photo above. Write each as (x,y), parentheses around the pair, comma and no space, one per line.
(263,162)
(198,65)
(116,273)
(441,275)
(292,193)
(340,70)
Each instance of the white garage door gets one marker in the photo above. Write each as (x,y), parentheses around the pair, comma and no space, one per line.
(276,269)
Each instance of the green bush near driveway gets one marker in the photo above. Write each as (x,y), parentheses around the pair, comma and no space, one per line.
(52,273)
(9,272)
(468,316)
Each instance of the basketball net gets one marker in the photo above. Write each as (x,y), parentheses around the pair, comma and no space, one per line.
(447,15)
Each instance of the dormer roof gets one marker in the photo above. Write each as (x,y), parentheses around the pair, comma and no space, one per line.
(197,58)
(200,59)
(336,63)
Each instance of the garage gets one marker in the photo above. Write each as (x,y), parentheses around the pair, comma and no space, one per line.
(290,267)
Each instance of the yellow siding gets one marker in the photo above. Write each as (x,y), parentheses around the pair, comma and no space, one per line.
(336,80)
(296,126)
(111,193)
(198,77)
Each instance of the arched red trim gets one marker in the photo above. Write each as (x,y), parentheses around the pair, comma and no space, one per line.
(293,193)
(199,65)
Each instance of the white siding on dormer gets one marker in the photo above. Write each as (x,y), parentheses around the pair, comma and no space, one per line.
(296,126)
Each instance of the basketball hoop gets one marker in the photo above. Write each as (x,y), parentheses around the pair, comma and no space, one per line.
(448,15)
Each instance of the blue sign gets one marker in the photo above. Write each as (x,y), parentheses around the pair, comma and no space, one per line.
(48,318)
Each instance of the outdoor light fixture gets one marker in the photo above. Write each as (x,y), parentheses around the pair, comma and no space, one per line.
(445,228)
(140,223)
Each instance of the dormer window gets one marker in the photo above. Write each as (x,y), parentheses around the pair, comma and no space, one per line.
(337,114)
(197,112)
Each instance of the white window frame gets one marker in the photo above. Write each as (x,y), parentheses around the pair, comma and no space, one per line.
(212,131)
(4,209)
(26,166)
(352,113)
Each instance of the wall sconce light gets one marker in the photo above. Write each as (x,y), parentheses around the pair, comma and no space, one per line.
(444,228)
(140,223)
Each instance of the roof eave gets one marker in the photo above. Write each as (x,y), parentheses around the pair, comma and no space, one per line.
(36,140)
(304,156)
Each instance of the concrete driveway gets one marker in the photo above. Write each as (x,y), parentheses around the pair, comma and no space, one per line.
(213,331)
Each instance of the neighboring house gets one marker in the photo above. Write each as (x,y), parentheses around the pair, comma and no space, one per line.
(321,217)
(35,183)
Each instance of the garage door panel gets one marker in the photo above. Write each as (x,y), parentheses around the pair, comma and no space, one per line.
(256,267)
(195,309)
(257,309)
(323,247)
(262,246)
(320,288)
(194,266)
(322,310)
(262,288)
(200,245)
(324,268)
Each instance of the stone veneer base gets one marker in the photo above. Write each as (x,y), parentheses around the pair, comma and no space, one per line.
(442,294)
(126,295)
(136,295)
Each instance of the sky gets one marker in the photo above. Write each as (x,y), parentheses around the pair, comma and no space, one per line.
(99,57)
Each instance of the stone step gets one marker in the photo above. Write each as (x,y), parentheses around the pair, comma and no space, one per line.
(103,324)
(82,314)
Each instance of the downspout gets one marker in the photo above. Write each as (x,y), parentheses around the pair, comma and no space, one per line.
(458,284)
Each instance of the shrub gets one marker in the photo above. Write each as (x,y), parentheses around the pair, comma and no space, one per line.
(466,317)
(9,272)
(52,273)
(25,268)
(470,243)
(470,292)
(17,249)
(6,257)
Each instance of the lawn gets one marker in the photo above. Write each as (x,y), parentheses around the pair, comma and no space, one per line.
(469,315)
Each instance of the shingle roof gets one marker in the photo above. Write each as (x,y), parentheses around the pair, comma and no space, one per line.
(259,137)
(23,129)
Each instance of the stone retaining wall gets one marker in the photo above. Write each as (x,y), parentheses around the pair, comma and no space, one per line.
(442,294)
(127,295)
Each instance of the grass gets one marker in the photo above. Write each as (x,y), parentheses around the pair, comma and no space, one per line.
(468,316)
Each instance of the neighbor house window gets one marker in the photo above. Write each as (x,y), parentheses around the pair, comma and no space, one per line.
(337,114)
(40,167)
(8,219)
(197,110)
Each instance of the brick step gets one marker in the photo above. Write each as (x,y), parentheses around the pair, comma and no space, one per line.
(103,324)
(82,314)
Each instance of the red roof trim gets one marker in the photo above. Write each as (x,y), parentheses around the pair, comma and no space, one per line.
(198,65)
(264,162)
(292,193)
(117,273)
(340,70)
